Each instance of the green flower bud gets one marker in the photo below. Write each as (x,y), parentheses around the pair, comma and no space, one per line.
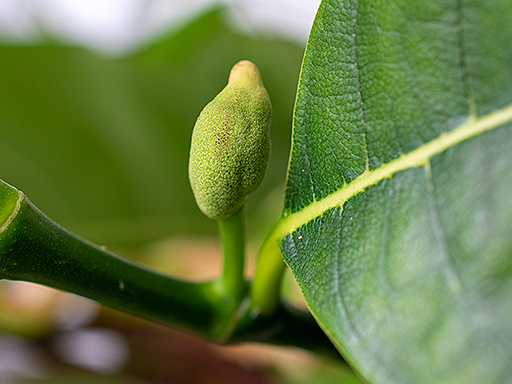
(231,144)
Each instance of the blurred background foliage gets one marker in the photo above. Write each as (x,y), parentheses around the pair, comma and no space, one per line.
(100,144)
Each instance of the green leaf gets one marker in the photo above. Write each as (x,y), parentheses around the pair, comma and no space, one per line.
(101,144)
(397,218)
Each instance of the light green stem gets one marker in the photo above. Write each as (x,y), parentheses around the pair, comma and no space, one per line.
(266,286)
(231,283)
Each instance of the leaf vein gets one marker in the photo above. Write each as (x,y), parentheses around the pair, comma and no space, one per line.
(448,268)
(416,158)
(464,60)
(359,96)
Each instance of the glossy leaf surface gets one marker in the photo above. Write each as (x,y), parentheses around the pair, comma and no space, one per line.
(398,207)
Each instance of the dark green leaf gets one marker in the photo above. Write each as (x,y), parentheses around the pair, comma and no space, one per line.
(397,219)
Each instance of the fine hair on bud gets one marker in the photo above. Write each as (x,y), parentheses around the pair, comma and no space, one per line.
(231,144)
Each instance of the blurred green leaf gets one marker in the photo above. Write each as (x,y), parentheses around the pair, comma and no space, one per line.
(101,144)
(398,204)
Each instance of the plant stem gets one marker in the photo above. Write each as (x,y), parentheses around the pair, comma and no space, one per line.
(286,326)
(266,286)
(36,249)
(232,284)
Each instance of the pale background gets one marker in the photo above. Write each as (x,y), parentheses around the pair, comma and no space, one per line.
(116,26)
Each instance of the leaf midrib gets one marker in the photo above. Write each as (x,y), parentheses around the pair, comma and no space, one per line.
(418,157)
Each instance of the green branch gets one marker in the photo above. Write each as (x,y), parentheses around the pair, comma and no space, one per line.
(34,248)
(285,326)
